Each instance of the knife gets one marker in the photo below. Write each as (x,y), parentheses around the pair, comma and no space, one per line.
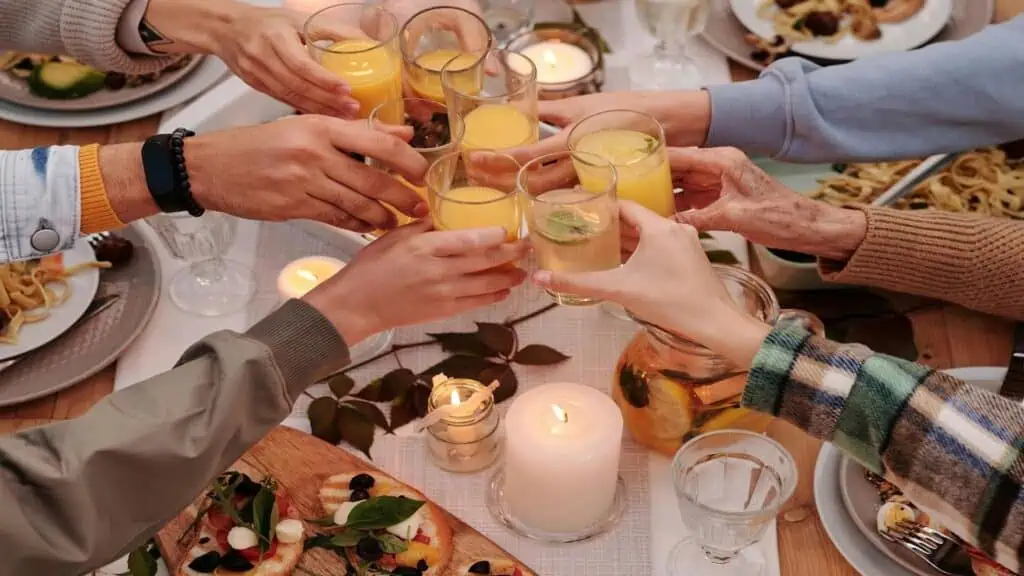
(1013,384)
(95,307)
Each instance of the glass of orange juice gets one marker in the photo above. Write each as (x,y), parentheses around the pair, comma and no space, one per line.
(475,189)
(359,43)
(432,136)
(428,42)
(503,113)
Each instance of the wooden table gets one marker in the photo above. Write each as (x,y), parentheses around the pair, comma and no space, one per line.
(946,337)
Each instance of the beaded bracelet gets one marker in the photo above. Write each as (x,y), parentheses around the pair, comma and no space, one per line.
(177,143)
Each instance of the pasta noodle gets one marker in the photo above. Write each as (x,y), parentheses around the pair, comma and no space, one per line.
(982,182)
(27,291)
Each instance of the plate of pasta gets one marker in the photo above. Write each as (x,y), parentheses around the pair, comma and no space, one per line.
(841,29)
(40,299)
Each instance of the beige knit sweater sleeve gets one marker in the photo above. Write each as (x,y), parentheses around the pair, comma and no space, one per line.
(973,261)
(82,29)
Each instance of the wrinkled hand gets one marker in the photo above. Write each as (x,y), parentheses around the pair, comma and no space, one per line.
(414,275)
(298,168)
(670,283)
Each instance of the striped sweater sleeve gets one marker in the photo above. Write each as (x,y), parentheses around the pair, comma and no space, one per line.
(954,449)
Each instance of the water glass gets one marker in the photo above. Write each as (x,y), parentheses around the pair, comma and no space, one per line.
(439,36)
(508,18)
(674,23)
(730,486)
(211,285)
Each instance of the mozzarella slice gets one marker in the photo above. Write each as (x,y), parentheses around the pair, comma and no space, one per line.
(341,514)
(289,531)
(407,528)
(241,538)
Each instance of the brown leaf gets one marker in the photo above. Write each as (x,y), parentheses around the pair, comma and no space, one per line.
(721,257)
(462,343)
(372,391)
(459,366)
(539,355)
(322,413)
(403,409)
(420,399)
(396,383)
(341,385)
(499,338)
(355,429)
(371,411)
(508,384)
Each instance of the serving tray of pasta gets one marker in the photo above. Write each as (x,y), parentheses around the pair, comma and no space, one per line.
(41,299)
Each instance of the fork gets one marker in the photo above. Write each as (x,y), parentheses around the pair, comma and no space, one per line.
(942,552)
(95,238)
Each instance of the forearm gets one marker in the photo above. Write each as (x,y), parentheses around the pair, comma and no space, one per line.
(945,97)
(948,445)
(189,26)
(78,494)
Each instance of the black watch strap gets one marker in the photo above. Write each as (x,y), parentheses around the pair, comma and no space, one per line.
(163,160)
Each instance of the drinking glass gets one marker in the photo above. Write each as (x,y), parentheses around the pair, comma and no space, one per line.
(429,40)
(359,43)
(674,23)
(574,227)
(730,485)
(508,18)
(211,285)
(475,189)
(503,114)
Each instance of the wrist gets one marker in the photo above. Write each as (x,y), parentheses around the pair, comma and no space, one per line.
(353,323)
(685,116)
(191,26)
(800,224)
(125,181)
(738,338)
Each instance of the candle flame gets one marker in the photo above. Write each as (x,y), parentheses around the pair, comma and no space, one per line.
(456,399)
(307,275)
(562,416)
(549,58)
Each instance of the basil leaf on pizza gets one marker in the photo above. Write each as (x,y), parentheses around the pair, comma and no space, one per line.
(381,512)
(392,544)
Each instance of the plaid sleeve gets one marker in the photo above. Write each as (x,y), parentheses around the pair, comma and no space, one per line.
(954,450)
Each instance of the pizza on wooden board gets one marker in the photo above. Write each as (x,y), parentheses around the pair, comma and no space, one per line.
(491,567)
(243,528)
(381,527)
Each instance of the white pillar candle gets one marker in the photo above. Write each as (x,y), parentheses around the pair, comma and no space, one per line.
(562,457)
(558,62)
(304,274)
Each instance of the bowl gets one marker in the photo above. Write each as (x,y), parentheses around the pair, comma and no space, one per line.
(784,270)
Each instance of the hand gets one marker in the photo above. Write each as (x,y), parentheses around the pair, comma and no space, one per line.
(669,282)
(263,46)
(298,168)
(729,192)
(413,275)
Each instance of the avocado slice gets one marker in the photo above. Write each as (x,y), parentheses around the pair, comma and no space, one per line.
(65,80)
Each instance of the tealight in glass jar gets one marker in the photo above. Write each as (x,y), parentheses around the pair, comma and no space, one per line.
(463,440)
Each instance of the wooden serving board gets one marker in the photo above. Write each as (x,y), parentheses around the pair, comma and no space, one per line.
(300,462)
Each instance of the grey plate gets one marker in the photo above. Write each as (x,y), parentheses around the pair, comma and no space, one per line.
(96,343)
(725,32)
(16,90)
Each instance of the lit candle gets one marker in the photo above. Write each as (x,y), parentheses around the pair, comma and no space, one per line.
(462,425)
(558,62)
(562,457)
(304,274)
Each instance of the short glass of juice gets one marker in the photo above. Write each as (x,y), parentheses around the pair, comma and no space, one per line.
(360,44)
(432,137)
(503,113)
(475,189)
(572,215)
(634,143)
(428,42)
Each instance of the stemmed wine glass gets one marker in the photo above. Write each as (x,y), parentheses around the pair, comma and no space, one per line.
(674,23)
(211,285)
(730,485)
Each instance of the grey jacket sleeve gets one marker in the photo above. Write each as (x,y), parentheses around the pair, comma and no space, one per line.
(946,97)
(77,495)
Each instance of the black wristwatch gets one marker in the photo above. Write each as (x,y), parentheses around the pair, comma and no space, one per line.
(163,160)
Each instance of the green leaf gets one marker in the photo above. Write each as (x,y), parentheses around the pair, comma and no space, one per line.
(355,429)
(421,399)
(508,384)
(463,343)
(403,409)
(341,385)
(539,355)
(323,413)
(322,541)
(141,563)
(392,544)
(395,383)
(263,511)
(721,257)
(348,538)
(323,521)
(634,387)
(372,412)
(380,512)
(500,339)
(371,391)
(275,517)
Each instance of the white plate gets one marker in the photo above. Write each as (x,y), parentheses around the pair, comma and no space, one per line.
(847,537)
(907,35)
(83,289)
(206,74)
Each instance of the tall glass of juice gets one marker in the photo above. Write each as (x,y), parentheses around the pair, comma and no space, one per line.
(431,136)
(503,114)
(359,43)
(428,42)
(634,143)
(574,227)
(475,189)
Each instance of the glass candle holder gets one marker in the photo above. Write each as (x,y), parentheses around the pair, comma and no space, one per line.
(359,43)
(428,42)
(475,189)
(463,441)
(504,113)
(568,62)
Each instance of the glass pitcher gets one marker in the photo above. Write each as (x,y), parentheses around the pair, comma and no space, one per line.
(670,389)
